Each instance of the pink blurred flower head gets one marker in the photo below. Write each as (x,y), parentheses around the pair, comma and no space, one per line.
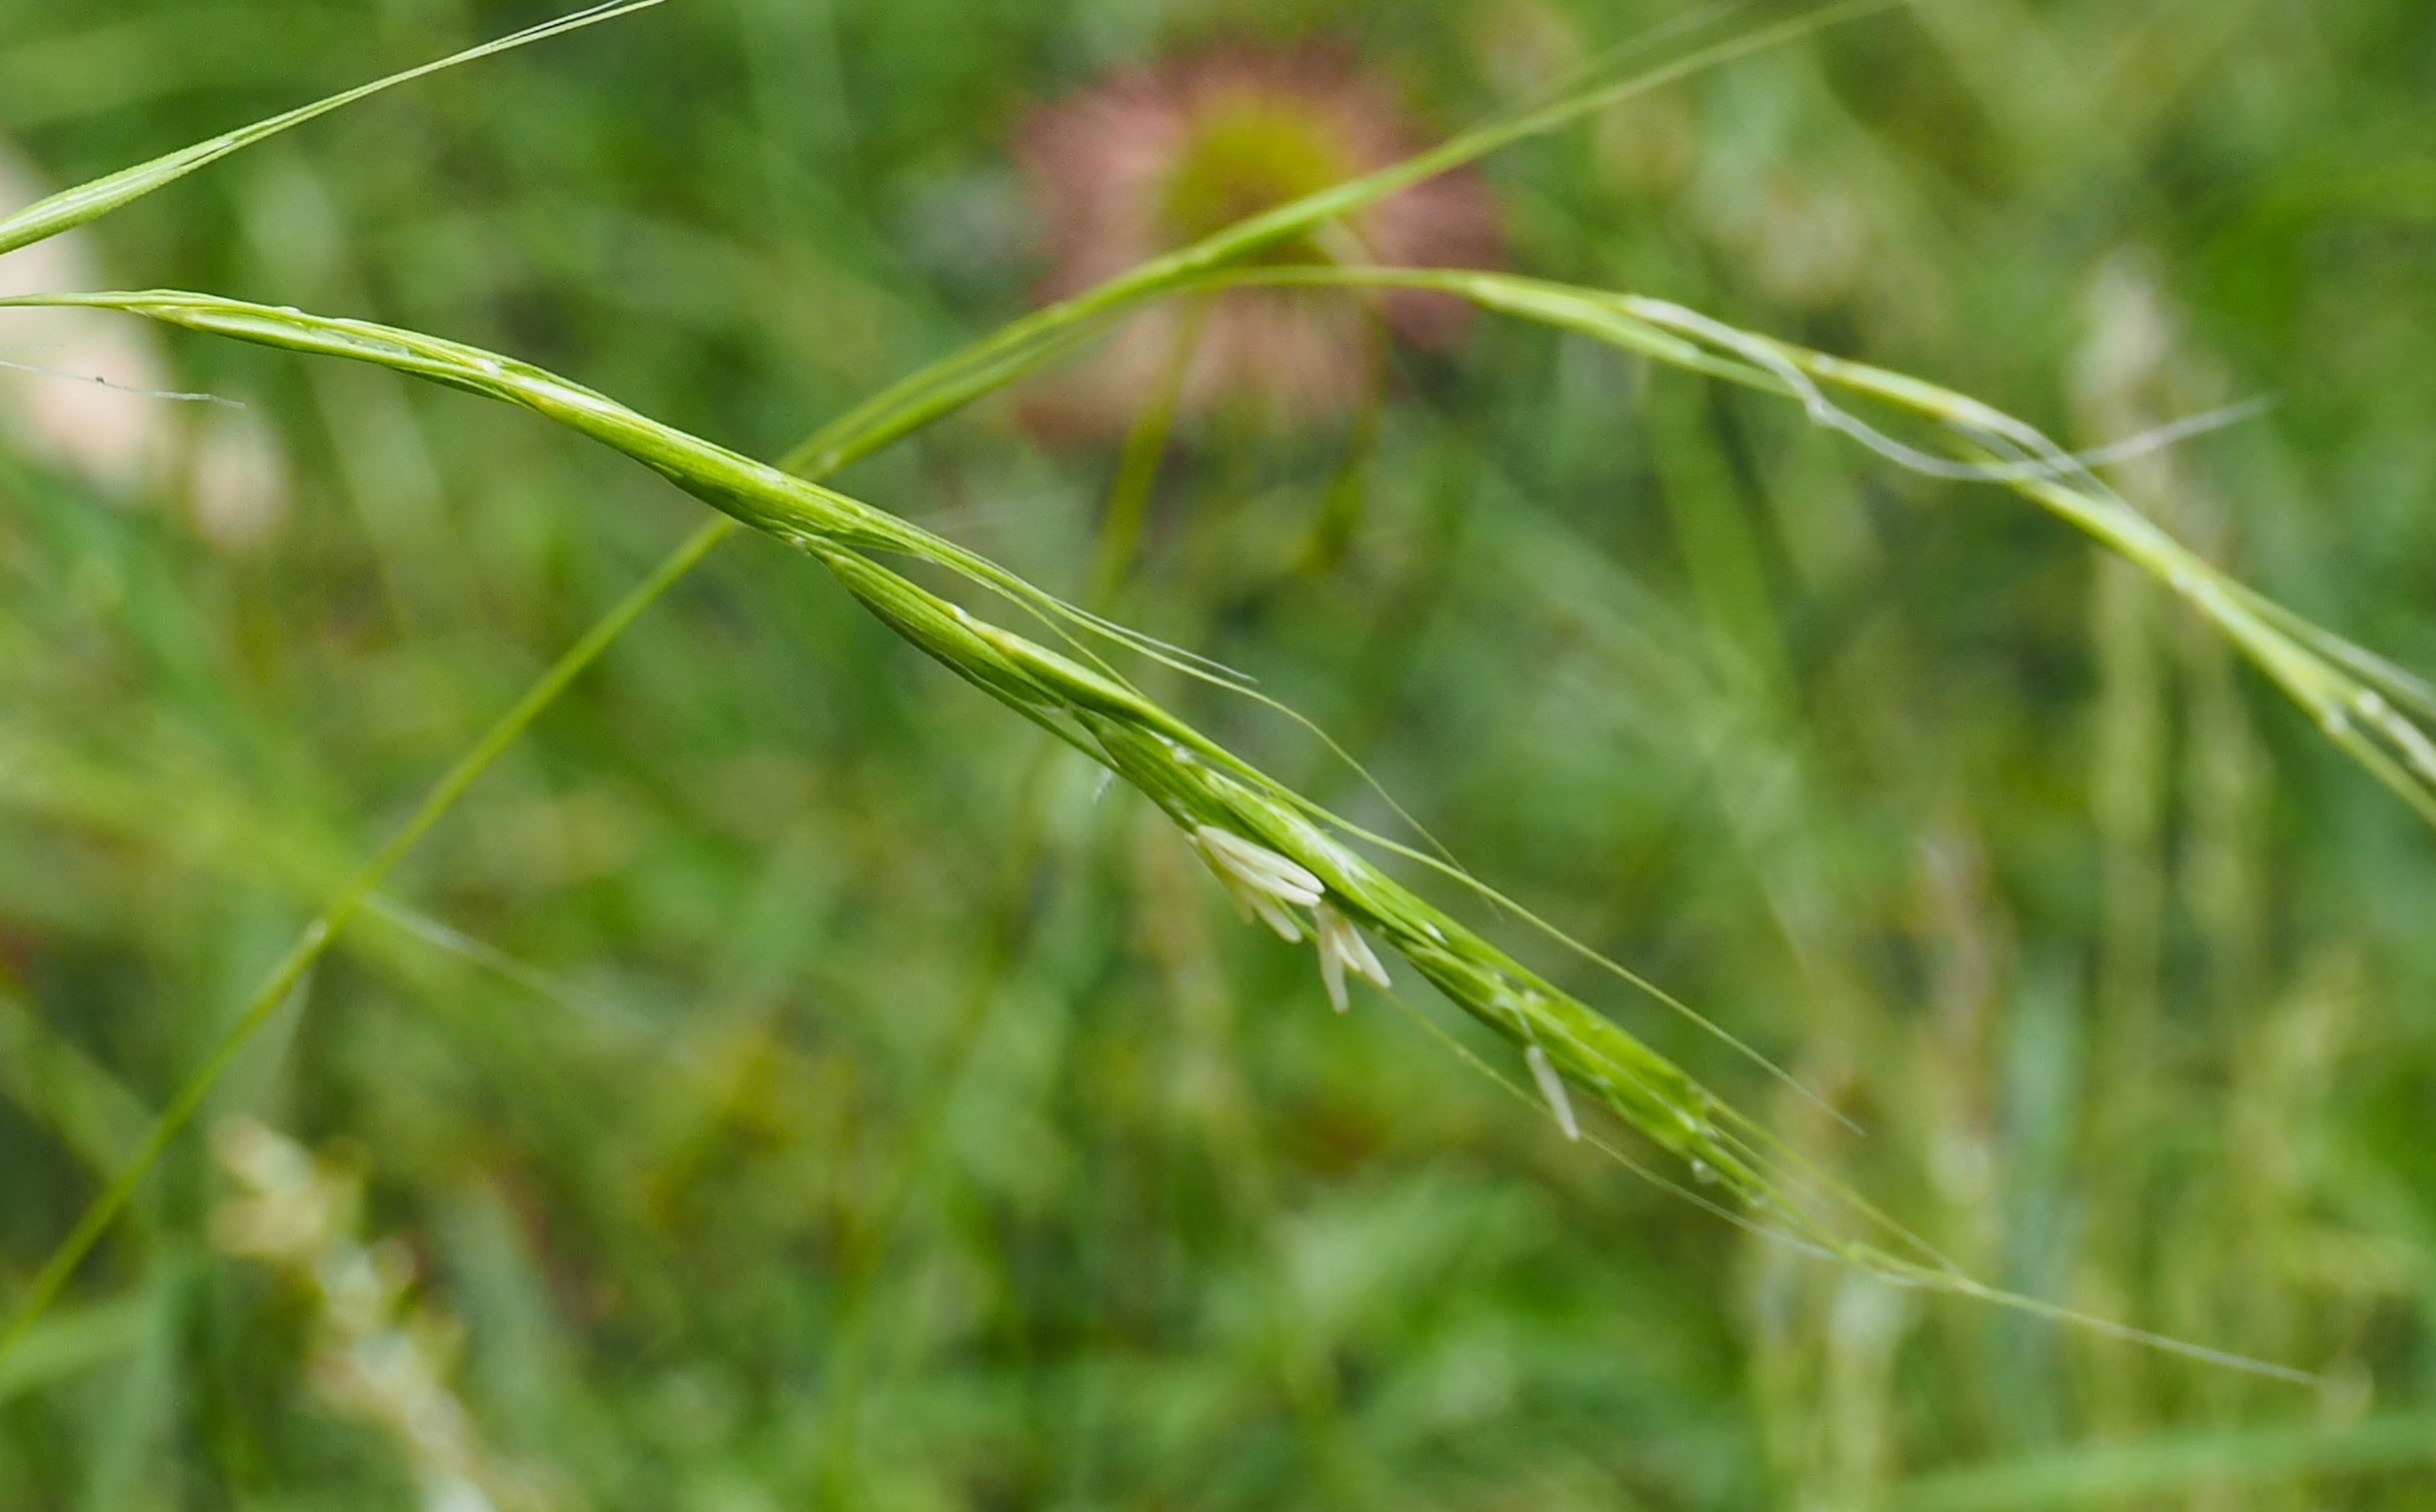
(1153,158)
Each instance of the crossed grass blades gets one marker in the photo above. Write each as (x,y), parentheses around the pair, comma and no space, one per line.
(1286,860)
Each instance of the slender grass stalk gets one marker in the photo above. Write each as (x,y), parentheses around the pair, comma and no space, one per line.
(1137,462)
(71,208)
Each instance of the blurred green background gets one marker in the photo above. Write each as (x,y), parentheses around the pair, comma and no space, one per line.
(779,1084)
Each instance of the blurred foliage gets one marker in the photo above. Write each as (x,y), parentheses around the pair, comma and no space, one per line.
(793,1086)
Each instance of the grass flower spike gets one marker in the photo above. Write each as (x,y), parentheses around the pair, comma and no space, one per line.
(1263,884)
(1341,947)
(1551,1086)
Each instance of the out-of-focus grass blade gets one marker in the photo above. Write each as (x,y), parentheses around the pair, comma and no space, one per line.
(75,1341)
(71,208)
(144,1405)
(2164,1469)
(59,1086)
